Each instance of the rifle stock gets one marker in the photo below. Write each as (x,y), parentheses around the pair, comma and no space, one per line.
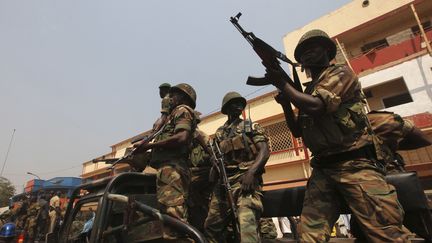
(219,157)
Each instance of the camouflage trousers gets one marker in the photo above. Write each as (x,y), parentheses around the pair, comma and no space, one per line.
(267,228)
(249,209)
(30,227)
(172,185)
(371,200)
(199,197)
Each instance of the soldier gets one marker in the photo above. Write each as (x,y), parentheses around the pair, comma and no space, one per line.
(170,154)
(246,151)
(20,212)
(346,153)
(200,187)
(43,220)
(396,133)
(165,105)
(33,213)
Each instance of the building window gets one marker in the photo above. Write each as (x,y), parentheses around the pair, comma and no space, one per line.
(397,100)
(279,136)
(388,94)
(374,45)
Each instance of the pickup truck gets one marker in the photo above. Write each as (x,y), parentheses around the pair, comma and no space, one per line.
(124,209)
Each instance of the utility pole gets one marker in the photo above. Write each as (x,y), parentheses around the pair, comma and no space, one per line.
(7,153)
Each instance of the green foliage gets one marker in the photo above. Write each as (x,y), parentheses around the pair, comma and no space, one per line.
(7,190)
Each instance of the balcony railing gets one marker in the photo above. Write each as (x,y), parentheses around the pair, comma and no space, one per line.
(389,54)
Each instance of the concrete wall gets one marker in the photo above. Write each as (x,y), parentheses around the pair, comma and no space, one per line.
(417,74)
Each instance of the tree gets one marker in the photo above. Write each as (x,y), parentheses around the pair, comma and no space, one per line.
(7,190)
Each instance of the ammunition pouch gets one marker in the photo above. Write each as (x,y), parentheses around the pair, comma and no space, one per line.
(238,143)
(232,144)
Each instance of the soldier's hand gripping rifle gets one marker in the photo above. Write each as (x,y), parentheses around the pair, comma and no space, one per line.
(269,56)
(219,158)
(128,157)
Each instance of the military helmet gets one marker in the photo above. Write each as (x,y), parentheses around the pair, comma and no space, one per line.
(8,230)
(318,36)
(188,90)
(229,97)
(165,85)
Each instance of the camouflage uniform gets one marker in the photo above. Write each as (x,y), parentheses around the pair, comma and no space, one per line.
(30,226)
(200,187)
(165,105)
(173,175)
(233,140)
(267,228)
(391,129)
(20,212)
(346,164)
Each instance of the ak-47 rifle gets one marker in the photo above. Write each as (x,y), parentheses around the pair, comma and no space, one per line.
(270,57)
(128,157)
(219,157)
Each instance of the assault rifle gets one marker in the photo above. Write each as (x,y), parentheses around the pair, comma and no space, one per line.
(219,157)
(270,57)
(128,158)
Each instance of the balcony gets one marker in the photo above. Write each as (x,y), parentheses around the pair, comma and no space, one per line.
(391,54)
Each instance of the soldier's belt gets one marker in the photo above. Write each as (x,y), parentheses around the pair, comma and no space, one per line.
(364,152)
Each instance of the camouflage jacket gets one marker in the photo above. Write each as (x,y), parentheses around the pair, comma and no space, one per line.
(238,141)
(181,118)
(33,210)
(199,157)
(165,105)
(390,127)
(344,126)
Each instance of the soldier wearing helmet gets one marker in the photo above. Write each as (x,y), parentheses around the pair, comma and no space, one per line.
(170,154)
(347,155)
(246,150)
(164,95)
(165,105)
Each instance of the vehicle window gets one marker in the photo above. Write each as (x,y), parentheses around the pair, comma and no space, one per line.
(82,222)
(140,228)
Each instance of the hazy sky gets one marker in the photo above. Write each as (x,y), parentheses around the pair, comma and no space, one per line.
(78,76)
